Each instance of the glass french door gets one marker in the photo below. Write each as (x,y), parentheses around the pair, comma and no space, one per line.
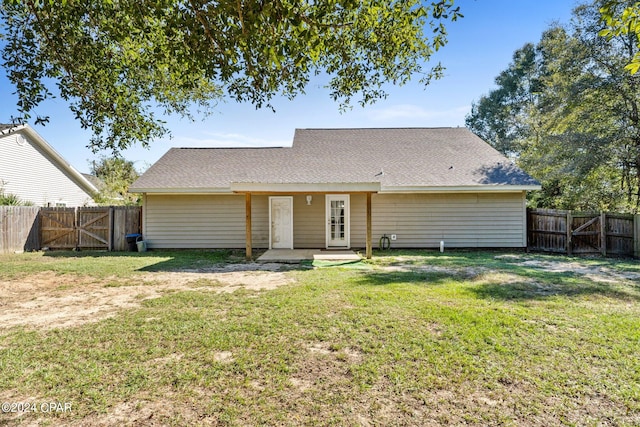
(338,221)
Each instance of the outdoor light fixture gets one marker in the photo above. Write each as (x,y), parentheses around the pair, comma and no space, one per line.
(309,198)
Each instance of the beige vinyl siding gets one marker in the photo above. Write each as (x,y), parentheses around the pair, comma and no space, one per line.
(359,220)
(259,221)
(421,220)
(463,220)
(180,221)
(309,222)
(27,172)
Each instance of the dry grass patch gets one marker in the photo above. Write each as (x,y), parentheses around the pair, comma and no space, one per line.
(50,300)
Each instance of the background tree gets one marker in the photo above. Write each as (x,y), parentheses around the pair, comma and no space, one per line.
(116,175)
(118,62)
(575,125)
(623,18)
(500,116)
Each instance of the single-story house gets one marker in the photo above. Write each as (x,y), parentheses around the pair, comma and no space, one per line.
(338,188)
(32,170)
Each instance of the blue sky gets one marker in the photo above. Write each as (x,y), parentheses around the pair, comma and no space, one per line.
(480,46)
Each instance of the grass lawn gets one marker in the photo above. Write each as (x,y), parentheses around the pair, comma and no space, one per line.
(409,338)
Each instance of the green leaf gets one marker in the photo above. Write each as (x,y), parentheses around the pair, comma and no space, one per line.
(115,63)
(633,67)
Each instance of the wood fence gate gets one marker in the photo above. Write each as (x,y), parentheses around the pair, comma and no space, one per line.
(88,227)
(582,232)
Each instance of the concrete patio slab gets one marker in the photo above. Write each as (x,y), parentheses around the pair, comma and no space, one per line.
(298,255)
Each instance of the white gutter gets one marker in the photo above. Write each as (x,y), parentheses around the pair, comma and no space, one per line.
(212,190)
(336,187)
(460,189)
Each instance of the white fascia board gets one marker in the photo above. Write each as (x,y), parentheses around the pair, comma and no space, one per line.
(310,187)
(334,187)
(461,189)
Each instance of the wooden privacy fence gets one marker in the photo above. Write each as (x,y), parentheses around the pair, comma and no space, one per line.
(29,228)
(583,232)
(101,227)
(19,228)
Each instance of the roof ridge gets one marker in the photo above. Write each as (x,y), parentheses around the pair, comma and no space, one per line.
(260,147)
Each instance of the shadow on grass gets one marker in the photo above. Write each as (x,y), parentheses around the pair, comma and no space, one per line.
(532,284)
(170,260)
(95,254)
(521,291)
(420,278)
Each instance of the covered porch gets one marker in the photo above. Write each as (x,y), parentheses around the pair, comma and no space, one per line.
(328,221)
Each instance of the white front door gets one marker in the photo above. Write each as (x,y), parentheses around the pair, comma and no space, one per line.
(337,221)
(281,220)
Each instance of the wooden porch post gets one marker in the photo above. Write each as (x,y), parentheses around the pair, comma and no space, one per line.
(247,199)
(368,249)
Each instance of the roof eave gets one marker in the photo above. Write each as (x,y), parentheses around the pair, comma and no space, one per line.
(483,188)
(175,190)
(374,187)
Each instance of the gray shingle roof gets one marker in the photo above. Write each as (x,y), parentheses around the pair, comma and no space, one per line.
(400,157)
(4,126)
(97,182)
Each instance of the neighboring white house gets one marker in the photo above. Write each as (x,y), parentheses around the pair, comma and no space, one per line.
(32,170)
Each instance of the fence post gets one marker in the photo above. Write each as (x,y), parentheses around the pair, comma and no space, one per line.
(528,227)
(636,235)
(110,237)
(603,233)
(569,231)
(76,225)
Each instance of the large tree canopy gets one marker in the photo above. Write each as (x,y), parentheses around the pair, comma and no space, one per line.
(622,17)
(569,113)
(120,62)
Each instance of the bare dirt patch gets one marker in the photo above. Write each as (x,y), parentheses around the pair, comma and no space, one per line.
(595,273)
(143,412)
(49,300)
(600,274)
(464,272)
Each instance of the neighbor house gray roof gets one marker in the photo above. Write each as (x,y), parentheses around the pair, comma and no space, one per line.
(401,159)
(97,182)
